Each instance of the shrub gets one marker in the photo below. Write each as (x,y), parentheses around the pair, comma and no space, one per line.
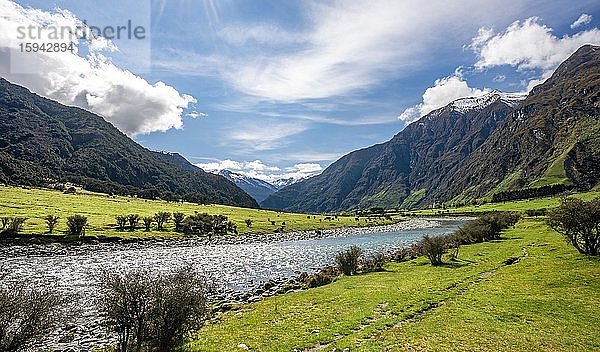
(323,277)
(161,218)
(433,248)
(121,222)
(178,220)
(27,315)
(148,222)
(248,222)
(4,222)
(206,224)
(133,220)
(536,212)
(373,263)
(51,222)
(579,222)
(405,254)
(12,225)
(76,225)
(153,313)
(347,261)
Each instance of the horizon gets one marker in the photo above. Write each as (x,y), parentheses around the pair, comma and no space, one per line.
(274,90)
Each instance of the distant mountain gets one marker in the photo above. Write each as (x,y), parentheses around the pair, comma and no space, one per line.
(43,142)
(256,188)
(472,148)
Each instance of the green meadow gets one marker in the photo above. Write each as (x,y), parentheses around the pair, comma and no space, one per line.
(101,209)
(547,301)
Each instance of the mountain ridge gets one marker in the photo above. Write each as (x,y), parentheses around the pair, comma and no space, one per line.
(449,154)
(44,142)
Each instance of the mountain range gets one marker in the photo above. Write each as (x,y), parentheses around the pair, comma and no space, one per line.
(499,144)
(43,142)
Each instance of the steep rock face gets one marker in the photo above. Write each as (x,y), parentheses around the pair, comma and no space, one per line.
(417,158)
(42,141)
(472,148)
(553,137)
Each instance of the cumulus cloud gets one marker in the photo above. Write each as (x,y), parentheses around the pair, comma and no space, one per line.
(444,91)
(582,21)
(259,170)
(528,45)
(91,82)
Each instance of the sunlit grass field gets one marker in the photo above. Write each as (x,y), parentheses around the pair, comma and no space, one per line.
(101,210)
(548,301)
(517,205)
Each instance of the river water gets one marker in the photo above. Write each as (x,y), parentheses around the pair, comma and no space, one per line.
(231,267)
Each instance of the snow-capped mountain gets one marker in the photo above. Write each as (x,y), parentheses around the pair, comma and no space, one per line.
(284,182)
(478,103)
(257,189)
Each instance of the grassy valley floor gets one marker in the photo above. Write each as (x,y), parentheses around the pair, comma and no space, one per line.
(101,210)
(548,300)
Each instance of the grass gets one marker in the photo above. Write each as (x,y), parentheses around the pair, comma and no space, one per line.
(101,210)
(517,205)
(548,301)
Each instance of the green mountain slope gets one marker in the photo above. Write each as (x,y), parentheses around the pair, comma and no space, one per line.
(472,148)
(43,142)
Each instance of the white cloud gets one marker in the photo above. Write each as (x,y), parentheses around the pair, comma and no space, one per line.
(93,82)
(528,45)
(260,170)
(582,21)
(444,91)
(342,47)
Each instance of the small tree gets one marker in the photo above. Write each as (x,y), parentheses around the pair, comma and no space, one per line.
(51,222)
(579,222)
(121,222)
(148,222)
(347,261)
(76,225)
(248,222)
(4,222)
(153,313)
(15,225)
(133,220)
(26,315)
(161,218)
(433,248)
(178,220)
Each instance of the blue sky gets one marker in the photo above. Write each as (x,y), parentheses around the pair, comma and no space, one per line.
(284,88)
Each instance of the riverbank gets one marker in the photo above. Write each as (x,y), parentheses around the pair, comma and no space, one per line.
(53,245)
(242,269)
(545,300)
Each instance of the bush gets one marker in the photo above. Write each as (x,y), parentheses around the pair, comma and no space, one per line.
(433,248)
(373,263)
(4,222)
(206,224)
(347,261)
(27,315)
(51,222)
(248,222)
(161,218)
(133,220)
(323,277)
(12,225)
(148,222)
(536,212)
(178,220)
(579,222)
(76,225)
(153,313)
(121,222)
(405,254)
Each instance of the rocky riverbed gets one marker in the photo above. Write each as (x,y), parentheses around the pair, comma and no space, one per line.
(242,269)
